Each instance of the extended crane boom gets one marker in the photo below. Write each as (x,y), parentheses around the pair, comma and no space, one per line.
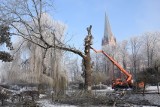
(118,82)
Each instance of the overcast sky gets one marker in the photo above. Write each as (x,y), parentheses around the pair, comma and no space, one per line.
(127,18)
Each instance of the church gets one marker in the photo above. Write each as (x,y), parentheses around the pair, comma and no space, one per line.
(108,45)
(108,38)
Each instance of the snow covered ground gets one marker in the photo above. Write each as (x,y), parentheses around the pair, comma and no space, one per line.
(152,88)
(152,98)
(47,103)
(102,92)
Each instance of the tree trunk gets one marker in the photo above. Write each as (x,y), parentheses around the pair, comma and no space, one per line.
(2,101)
(158,87)
(87,65)
(87,60)
(144,88)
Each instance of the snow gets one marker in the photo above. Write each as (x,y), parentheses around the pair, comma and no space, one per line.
(28,89)
(42,95)
(102,92)
(47,103)
(152,98)
(152,88)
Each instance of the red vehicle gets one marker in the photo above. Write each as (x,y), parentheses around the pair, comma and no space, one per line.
(118,83)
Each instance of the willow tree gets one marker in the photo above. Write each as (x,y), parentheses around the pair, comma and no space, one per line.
(20,13)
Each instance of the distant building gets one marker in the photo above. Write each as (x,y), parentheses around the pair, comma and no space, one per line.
(108,45)
(108,38)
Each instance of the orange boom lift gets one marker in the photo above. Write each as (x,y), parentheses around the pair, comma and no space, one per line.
(118,83)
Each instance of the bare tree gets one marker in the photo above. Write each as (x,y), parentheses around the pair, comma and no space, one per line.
(74,70)
(150,46)
(97,62)
(135,44)
(25,18)
(156,57)
(124,53)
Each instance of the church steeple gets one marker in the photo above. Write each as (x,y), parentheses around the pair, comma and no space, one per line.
(108,38)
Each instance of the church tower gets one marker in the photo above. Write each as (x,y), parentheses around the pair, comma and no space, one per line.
(108,45)
(108,38)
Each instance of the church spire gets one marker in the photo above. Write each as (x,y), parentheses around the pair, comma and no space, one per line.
(108,36)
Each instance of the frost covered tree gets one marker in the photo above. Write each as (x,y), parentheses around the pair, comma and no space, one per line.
(124,53)
(135,44)
(151,41)
(25,18)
